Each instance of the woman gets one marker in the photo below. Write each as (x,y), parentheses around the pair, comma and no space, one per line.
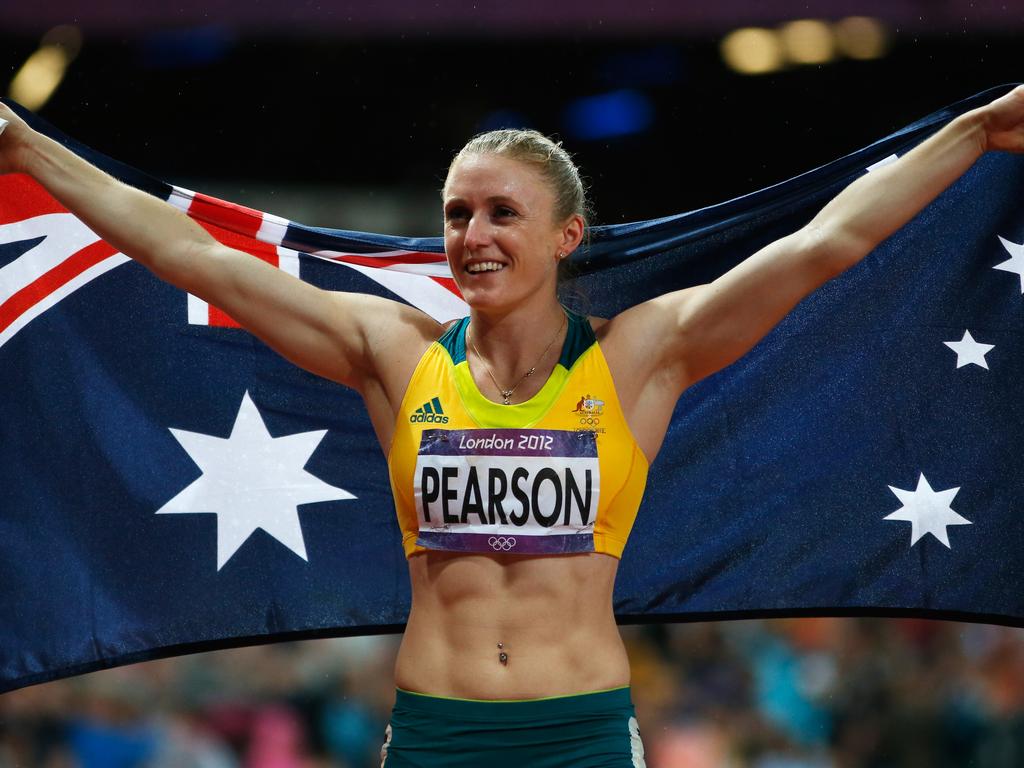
(514,517)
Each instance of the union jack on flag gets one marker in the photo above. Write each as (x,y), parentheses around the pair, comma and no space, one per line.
(70,255)
(168,484)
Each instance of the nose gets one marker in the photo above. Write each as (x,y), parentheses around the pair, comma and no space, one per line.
(478,232)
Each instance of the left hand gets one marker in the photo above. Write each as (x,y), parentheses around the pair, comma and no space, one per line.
(1003,122)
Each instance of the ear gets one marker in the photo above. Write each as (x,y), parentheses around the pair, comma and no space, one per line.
(571,234)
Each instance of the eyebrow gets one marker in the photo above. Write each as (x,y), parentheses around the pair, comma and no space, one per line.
(491,199)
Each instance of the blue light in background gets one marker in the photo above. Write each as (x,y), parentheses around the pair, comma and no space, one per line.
(608,115)
(193,47)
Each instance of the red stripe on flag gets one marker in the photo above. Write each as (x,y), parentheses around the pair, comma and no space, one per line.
(241,242)
(221,319)
(246,244)
(221,213)
(448,283)
(45,284)
(407,257)
(25,198)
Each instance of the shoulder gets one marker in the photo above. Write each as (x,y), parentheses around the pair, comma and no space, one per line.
(398,327)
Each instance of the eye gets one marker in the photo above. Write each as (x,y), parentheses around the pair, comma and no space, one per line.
(504,212)
(456,213)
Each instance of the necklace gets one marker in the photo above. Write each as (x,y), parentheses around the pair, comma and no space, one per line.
(506,394)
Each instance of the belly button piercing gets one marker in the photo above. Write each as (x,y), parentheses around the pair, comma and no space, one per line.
(502,657)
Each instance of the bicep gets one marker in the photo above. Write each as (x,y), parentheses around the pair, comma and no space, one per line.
(684,336)
(719,322)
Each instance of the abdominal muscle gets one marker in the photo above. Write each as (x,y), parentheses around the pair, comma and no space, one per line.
(552,615)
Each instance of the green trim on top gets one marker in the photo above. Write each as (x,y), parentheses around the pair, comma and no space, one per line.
(579,337)
(454,340)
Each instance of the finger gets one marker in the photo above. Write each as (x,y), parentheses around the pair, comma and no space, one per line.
(3,124)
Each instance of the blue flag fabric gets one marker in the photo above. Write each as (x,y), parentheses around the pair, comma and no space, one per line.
(169,485)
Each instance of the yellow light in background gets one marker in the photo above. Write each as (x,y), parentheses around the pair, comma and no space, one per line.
(807,41)
(39,77)
(67,37)
(34,84)
(752,51)
(861,37)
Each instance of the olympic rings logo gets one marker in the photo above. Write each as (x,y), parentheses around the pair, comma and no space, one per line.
(591,420)
(504,543)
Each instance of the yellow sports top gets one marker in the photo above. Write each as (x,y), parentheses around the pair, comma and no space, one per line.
(556,474)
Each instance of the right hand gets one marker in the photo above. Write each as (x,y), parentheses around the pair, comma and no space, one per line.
(1004,122)
(13,141)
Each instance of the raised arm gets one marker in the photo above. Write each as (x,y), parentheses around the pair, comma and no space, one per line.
(697,331)
(341,336)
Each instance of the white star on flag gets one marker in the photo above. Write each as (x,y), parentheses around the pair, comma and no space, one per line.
(1016,261)
(252,480)
(927,511)
(970,351)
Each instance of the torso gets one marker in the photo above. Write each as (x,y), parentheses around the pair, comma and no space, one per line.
(552,614)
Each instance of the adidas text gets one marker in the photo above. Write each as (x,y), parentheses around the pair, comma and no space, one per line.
(430,418)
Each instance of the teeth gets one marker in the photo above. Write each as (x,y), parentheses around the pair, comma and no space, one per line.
(485,266)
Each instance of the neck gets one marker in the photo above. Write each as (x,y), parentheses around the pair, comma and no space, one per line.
(513,342)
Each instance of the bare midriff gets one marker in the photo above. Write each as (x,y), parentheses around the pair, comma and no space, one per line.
(552,616)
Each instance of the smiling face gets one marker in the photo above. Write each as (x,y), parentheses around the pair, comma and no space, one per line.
(501,234)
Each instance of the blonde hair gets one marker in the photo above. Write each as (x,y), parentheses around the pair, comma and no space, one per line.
(547,156)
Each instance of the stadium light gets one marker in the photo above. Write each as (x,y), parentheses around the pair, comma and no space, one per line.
(861,37)
(37,79)
(807,41)
(753,51)
(756,50)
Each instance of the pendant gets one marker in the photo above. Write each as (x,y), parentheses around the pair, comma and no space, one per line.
(507,396)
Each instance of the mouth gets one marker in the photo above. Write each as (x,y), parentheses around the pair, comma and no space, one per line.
(484,266)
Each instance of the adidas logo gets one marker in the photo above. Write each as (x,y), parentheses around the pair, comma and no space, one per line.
(430,412)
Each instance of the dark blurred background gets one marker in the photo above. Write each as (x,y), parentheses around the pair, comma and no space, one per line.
(355,103)
(346,115)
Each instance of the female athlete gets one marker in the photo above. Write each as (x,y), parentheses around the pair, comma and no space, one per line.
(513,515)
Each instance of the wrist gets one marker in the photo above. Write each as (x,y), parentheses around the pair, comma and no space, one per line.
(50,163)
(30,156)
(975,127)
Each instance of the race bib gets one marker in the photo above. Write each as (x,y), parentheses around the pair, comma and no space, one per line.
(527,491)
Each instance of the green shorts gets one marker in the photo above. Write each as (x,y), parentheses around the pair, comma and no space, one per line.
(587,730)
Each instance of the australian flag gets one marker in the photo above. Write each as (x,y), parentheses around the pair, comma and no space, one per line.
(168,484)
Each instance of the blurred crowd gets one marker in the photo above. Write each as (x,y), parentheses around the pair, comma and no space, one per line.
(795,693)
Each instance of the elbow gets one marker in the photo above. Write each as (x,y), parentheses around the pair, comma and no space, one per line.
(186,264)
(834,248)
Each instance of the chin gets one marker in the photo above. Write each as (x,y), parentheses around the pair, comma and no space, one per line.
(490,300)
(483,300)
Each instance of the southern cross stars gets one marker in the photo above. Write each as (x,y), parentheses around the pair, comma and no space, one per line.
(927,511)
(252,480)
(969,351)
(1016,261)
